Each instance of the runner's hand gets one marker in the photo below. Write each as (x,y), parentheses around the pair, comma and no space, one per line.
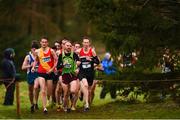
(50,71)
(77,71)
(88,58)
(55,71)
(33,69)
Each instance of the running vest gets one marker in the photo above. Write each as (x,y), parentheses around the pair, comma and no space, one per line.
(85,64)
(83,54)
(69,63)
(46,61)
(31,60)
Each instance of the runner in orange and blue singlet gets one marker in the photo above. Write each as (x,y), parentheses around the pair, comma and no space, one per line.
(47,59)
(46,63)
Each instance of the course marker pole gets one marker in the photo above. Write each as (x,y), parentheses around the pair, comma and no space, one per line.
(17,99)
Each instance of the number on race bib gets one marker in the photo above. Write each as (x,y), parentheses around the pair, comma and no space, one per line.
(85,66)
(46,59)
(67,65)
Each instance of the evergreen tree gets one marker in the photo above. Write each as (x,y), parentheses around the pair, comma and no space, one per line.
(145,25)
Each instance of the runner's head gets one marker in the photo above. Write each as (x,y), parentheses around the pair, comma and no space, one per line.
(44,42)
(86,42)
(68,46)
(76,46)
(63,41)
(34,46)
(57,45)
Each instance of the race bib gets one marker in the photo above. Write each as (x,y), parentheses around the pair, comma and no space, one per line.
(86,65)
(67,66)
(46,59)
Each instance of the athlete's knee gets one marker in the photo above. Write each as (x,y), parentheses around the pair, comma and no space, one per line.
(57,90)
(36,87)
(84,82)
(74,91)
(84,79)
(41,79)
(43,92)
(65,95)
(89,91)
(86,86)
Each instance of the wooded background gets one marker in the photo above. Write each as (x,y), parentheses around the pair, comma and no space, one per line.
(148,26)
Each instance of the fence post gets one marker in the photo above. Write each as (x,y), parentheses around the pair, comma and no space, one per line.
(17,99)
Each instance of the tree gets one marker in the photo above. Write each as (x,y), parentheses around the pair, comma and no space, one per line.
(145,25)
(21,21)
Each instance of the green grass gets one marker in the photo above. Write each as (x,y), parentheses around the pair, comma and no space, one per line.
(101,108)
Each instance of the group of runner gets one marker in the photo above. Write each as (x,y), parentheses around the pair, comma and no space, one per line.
(62,73)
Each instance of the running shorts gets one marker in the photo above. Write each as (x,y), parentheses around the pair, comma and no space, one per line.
(68,78)
(31,77)
(88,75)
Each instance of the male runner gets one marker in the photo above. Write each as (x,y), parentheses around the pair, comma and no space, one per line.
(59,90)
(86,73)
(68,61)
(76,47)
(31,76)
(47,59)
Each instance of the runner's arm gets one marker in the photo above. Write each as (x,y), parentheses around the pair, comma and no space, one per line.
(59,63)
(95,59)
(55,59)
(99,67)
(76,58)
(36,60)
(26,64)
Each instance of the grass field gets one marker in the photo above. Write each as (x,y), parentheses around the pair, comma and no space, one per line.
(101,109)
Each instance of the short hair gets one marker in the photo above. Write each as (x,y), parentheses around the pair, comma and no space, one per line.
(66,39)
(57,41)
(86,37)
(76,43)
(34,44)
(44,37)
(54,48)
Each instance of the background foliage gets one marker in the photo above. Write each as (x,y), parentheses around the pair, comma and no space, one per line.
(147,26)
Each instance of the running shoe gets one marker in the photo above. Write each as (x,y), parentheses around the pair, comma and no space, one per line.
(36,107)
(86,108)
(45,111)
(67,110)
(58,108)
(32,109)
(73,108)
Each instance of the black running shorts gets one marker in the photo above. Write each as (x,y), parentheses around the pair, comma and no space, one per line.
(88,75)
(46,76)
